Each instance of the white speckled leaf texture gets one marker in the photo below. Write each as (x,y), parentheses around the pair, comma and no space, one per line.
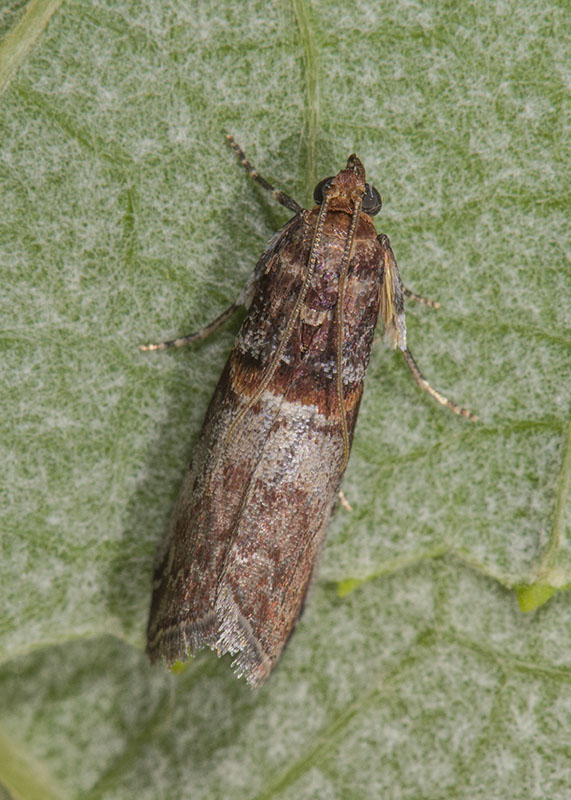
(434,657)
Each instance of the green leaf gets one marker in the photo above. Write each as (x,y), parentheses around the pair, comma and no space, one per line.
(126,219)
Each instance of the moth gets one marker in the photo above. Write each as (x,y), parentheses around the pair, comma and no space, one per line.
(233,570)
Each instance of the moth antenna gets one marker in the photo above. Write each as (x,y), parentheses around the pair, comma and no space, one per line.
(340,300)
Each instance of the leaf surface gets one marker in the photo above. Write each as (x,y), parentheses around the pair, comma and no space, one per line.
(126,219)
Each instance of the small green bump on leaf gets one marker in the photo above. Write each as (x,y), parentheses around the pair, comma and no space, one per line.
(345,588)
(178,667)
(533,595)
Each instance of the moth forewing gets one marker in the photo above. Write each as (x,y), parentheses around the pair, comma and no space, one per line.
(236,562)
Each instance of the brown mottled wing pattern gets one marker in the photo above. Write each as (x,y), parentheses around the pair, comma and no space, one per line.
(254,508)
(192,553)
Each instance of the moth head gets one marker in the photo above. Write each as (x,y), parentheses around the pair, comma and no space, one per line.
(349,180)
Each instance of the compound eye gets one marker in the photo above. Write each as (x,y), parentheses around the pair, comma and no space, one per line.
(371,200)
(320,189)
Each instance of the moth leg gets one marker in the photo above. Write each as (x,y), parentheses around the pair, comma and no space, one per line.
(425,386)
(419,298)
(282,198)
(392,312)
(194,337)
(344,502)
